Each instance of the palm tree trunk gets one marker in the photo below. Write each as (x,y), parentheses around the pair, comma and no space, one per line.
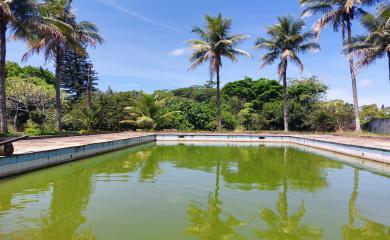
(353,78)
(3,75)
(285,100)
(388,62)
(219,112)
(57,88)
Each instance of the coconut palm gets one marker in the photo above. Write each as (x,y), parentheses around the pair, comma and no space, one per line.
(148,112)
(77,35)
(339,14)
(285,43)
(20,19)
(376,44)
(215,42)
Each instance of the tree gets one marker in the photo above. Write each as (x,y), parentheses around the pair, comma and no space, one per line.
(147,113)
(77,73)
(286,41)
(215,42)
(369,112)
(21,20)
(28,95)
(15,70)
(376,44)
(76,35)
(332,116)
(339,14)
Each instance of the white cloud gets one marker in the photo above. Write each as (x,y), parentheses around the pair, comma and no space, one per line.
(115,5)
(177,52)
(365,83)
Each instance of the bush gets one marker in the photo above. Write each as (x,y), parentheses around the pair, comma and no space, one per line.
(128,125)
(32,129)
(83,131)
(174,121)
(228,121)
(145,123)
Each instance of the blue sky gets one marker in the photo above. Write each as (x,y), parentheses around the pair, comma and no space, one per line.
(145,46)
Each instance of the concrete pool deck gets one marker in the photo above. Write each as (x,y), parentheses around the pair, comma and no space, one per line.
(36,153)
(45,144)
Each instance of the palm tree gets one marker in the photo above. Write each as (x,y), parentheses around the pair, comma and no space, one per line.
(286,41)
(20,19)
(339,14)
(376,44)
(215,42)
(76,36)
(148,112)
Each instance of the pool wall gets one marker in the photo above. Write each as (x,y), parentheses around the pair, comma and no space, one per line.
(375,154)
(21,163)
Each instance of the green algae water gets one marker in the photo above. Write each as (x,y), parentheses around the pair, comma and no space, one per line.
(197,192)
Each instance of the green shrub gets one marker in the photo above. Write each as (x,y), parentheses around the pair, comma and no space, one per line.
(174,121)
(83,131)
(32,129)
(145,123)
(128,124)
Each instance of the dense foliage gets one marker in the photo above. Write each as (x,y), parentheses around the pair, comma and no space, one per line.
(247,104)
(37,101)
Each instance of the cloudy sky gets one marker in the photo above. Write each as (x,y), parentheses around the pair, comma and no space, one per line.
(145,46)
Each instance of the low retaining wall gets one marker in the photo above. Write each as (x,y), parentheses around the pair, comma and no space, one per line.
(30,161)
(376,154)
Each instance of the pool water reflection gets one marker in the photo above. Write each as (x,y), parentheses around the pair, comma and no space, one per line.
(197,192)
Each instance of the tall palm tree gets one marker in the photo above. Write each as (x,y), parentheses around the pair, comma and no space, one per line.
(216,42)
(285,43)
(20,19)
(339,14)
(376,44)
(77,35)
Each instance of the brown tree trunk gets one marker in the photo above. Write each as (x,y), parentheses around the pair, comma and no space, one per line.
(3,76)
(388,62)
(219,112)
(353,78)
(57,88)
(285,100)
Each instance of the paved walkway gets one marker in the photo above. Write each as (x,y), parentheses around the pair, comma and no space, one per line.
(37,145)
(376,142)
